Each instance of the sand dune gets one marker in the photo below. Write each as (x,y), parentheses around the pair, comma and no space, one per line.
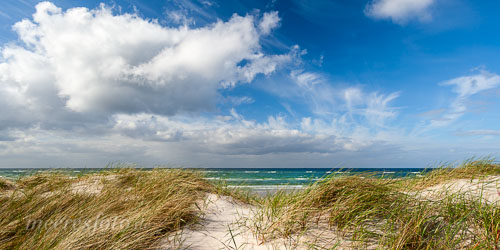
(224,224)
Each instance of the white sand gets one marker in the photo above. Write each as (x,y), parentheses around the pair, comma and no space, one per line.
(224,220)
(488,189)
(221,228)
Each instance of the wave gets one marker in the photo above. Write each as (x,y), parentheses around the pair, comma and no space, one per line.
(306,179)
(263,179)
(268,187)
(252,172)
(245,179)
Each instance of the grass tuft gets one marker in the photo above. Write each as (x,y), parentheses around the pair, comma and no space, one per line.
(129,208)
(116,209)
(368,211)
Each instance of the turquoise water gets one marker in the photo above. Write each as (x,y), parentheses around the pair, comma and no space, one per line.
(293,177)
(263,178)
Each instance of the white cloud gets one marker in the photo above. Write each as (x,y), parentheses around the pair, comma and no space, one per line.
(90,85)
(227,136)
(269,21)
(179,17)
(377,109)
(102,78)
(465,87)
(239,100)
(481,132)
(315,91)
(353,96)
(305,79)
(399,11)
(234,134)
(92,61)
(361,107)
(473,84)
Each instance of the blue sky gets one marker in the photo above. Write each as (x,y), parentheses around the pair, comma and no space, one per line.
(199,83)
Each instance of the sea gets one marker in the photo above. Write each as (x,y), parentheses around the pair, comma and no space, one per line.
(256,179)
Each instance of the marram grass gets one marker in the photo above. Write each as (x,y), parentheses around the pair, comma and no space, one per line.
(387,214)
(131,209)
(134,209)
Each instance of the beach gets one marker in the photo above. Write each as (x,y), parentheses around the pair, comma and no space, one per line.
(184,209)
(224,225)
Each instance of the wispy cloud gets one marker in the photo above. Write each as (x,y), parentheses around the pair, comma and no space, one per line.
(239,100)
(191,12)
(465,87)
(370,108)
(469,85)
(482,132)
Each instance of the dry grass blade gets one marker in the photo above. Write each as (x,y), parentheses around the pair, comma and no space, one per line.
(115,209)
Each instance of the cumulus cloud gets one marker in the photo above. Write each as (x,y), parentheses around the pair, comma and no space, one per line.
(92,61)
(233,135)
(269,21)
(91,82)
(399,11)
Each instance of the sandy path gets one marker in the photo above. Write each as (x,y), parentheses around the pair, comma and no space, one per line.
(220,228)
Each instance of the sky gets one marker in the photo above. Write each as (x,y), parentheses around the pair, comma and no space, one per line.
(273,83)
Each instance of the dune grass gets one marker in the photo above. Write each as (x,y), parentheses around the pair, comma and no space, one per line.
(133,209)
(387,213)
(6,184)
(469,169)
(113,209)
